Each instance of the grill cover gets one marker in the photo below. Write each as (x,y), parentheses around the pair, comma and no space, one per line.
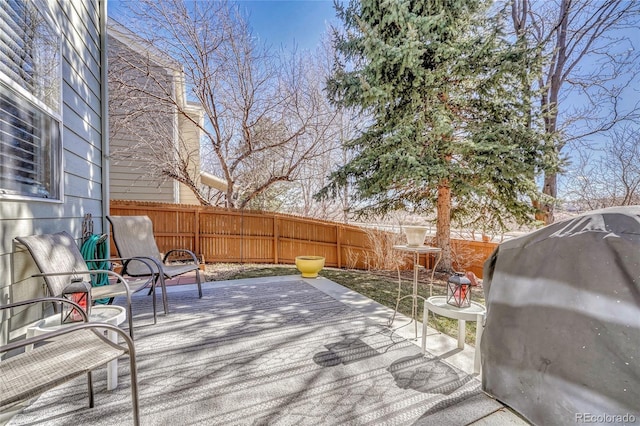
(562,335)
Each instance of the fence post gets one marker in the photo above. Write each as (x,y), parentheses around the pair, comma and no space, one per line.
(339,245)
(196,231)
(276,239)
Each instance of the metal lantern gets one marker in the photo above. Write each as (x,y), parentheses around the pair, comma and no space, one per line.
(459,291)
(79,292)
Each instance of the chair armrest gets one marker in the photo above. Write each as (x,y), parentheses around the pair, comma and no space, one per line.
(142,259)
(89,272)
(70,329)
(189,252)
(98,271)
(92,272)
(21,343)
(47,299)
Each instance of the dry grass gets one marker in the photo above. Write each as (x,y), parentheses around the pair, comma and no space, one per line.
(382,256)
(381,286)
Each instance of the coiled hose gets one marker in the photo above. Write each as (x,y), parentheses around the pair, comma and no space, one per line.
(96,247)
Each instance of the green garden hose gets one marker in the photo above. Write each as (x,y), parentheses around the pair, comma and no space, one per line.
(96,247)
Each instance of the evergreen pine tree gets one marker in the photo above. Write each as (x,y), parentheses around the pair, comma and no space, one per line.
(449,128)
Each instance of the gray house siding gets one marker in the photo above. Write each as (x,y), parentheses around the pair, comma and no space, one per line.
(133,171)
(191,137)
(145,133)
(80,23)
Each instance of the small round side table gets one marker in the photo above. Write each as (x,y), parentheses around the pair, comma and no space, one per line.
(109,314)
(476,312)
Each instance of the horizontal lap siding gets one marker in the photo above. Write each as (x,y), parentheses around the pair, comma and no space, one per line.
(133,174)
(81,168)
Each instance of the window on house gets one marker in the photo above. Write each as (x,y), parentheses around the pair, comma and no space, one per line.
(30,101)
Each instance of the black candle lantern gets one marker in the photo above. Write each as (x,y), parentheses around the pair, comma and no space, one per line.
(459,291)
(79,292)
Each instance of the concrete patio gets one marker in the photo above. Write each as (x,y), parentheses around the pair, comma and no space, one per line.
(438,344)
(243,327)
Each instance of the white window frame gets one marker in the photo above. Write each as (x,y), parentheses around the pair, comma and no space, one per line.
(52,155)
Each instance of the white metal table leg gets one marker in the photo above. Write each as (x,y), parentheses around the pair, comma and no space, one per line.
(476,358)
(462,328)
(112,366)
(425,325)
(414,313)
(414,293)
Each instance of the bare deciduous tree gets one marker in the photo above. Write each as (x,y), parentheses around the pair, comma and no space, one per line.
(589,60)
(146,134)
(264,117)
(610,176)
(314,176)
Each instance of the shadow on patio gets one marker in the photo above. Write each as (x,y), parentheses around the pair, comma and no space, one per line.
(272,351)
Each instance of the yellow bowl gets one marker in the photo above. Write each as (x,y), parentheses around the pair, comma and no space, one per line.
(309,265)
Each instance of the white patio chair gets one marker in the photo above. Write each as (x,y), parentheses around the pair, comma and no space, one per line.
(59,260)
(60,356)
(133,237)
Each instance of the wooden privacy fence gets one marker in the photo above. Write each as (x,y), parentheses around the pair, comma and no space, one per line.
(237,236)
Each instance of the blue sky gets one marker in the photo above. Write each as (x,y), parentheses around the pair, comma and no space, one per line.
(279,23)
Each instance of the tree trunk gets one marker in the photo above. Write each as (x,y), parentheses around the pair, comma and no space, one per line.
(443,225)
(550,188)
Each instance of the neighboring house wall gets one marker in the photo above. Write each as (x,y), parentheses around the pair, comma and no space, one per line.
(190,135)
(146,135)
(79,160)
(134,119)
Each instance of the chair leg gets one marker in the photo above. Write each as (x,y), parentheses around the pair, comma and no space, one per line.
(199,283)
(155,310)
(133,373)
(130,315)
(134,389)
(165,301)
(90,385)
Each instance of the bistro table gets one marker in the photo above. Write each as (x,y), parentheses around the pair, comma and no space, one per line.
(109,314)
(416,251)
(476,312)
